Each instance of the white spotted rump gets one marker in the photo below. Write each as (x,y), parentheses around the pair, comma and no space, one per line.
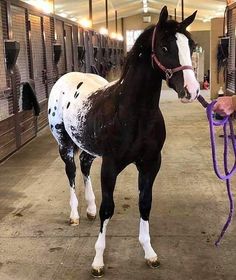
(70,94)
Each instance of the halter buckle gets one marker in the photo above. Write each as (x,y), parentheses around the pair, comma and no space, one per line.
(169,73)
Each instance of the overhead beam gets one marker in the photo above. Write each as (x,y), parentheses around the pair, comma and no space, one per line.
(116,20)
(182,7)
(106,4)
(91,11)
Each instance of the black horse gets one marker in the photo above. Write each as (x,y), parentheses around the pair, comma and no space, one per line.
(122,122)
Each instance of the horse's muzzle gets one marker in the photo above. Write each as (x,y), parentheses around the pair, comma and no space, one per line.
(189,97)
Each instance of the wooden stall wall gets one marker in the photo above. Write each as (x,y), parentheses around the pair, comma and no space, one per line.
(38,33)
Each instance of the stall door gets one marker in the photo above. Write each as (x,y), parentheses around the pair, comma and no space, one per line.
(7,118)
(25,121)
(69,48)
(37,51)
(39,67)
(60,40)
(49,40)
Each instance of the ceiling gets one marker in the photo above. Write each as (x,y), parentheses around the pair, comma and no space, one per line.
(77,9)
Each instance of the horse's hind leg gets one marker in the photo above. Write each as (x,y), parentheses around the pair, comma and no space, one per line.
(86,161)
(109,173)
(147,173)
(67,151)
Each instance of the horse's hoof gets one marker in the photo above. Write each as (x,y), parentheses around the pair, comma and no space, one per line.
(91,217)
(73,222)
(98,272)
(153,262)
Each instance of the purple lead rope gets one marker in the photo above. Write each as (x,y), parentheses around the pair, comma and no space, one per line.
(228,173)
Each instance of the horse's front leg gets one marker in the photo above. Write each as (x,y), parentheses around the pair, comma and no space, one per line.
(147,174)
(108,179)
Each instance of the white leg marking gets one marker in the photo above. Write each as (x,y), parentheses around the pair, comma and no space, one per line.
(100,247)
(89,196)
(144,239)
(73,204)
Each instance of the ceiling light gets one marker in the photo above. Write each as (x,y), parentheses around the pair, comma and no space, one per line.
(113,35)
(85,23)
(103,31)
(119,37)
(43,5)
(145,9)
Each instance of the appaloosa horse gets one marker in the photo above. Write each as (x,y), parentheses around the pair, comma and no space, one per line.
(122,122)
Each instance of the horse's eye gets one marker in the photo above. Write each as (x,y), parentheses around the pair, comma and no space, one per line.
(165,49)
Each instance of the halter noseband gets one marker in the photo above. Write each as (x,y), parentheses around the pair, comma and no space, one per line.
(169,72)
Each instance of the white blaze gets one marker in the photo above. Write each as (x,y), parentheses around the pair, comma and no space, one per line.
(190,81)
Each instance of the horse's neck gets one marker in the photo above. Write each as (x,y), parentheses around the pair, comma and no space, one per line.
(143,85)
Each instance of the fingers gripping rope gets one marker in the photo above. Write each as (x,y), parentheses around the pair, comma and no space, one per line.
(228,173)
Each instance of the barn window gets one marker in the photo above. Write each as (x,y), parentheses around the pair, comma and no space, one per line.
(131,36)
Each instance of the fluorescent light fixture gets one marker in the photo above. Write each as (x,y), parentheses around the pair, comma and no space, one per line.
(63,15)
(206,20)
(145,9)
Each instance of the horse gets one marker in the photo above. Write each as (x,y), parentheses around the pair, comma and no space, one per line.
(121,122)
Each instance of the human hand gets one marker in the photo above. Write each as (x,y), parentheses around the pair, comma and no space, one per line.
(224,106)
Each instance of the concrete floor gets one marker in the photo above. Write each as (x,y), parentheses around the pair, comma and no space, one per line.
(189,209)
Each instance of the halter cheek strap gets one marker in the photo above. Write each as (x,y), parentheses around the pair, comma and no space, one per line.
(168,71)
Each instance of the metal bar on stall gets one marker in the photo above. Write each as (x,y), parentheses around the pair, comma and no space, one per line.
(106,3)
(116,19)
(182,5)
(91,11)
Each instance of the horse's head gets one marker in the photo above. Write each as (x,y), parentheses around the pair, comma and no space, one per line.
(172,49)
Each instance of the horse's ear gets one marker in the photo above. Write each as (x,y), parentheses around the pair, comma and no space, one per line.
(185,23)
(163,15)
